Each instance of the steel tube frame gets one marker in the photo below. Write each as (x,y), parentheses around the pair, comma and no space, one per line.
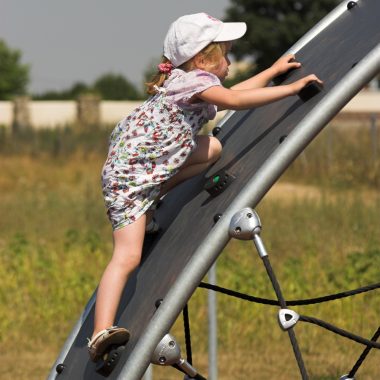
(313,32)
(251,194)
(70,340)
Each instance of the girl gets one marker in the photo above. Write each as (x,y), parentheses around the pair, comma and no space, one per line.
(156,147)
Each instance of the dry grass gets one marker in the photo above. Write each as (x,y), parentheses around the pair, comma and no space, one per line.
(55,241)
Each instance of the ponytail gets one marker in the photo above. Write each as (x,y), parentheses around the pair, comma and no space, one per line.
(163,71)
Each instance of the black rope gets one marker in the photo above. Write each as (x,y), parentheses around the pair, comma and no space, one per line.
(363,355)
(198,376)
(186,327)
(309,301)
(189,355)
(275,284)
(339,331)
(282,302)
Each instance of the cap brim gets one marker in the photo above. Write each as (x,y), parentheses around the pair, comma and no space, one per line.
(231,31)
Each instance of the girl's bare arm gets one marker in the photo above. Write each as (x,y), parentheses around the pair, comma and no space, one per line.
(262,79)
(237,99)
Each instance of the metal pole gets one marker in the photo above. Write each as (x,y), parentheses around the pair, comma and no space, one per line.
(212,328)
(374,137)
(148,374)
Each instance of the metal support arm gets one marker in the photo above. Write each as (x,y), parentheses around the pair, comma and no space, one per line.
(246,225)
(168,353)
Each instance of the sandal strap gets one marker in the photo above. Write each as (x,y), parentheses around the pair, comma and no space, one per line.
(99,334)
(153,207)
(153,226)
(155,204)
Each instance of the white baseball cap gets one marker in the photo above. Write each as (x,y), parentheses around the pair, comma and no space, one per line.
(189,34)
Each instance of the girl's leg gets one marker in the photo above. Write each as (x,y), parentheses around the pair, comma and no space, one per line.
(208,151)
(128,242)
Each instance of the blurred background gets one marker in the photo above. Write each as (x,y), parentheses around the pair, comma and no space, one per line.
(68,72)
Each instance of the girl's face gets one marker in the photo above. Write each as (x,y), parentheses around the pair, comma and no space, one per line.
(221,69)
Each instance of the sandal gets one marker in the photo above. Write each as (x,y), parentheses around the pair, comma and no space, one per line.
(155,205)
(98,345)
(152,227)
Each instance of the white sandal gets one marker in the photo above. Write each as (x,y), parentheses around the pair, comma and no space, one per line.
(152,227)
(155,205)
(98,345)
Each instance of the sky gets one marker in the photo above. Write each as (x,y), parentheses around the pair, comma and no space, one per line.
(71,41)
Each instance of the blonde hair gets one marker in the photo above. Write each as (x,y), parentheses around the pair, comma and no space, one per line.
(211,55)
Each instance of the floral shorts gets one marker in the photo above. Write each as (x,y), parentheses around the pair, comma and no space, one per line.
(126,208)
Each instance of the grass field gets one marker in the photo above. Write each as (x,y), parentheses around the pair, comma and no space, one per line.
(320,226)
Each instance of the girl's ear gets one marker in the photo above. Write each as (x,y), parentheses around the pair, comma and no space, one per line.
(199,61)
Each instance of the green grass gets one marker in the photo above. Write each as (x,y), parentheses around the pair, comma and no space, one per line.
(340,157)
(55,241)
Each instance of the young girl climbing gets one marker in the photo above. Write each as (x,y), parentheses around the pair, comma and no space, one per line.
(156,147)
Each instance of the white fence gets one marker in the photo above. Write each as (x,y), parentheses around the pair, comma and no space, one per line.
(366,101)
(6,113)
(52,114)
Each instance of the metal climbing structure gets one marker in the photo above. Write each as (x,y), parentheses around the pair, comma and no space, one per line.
(200,216)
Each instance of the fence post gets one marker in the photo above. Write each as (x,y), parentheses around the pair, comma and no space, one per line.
(21,113)
(88,108)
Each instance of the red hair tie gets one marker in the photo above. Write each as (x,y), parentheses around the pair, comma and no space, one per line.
(165,68)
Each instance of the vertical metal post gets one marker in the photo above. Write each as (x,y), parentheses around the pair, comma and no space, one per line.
(148,374)
(374,138)
(212,327)
(329,147)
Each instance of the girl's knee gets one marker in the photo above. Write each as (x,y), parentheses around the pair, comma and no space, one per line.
(215,149)
(127,262)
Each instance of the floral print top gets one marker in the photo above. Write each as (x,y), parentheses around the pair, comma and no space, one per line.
(149,146)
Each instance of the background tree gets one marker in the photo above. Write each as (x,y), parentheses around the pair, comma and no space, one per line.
(108,86)
(115,87)
(14,76)
(273,27)
(77,89)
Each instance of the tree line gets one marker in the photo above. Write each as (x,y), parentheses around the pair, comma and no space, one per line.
(273,26)
(15,77)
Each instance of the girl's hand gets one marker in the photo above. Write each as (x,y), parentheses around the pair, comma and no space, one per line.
(301,83)
(284,64)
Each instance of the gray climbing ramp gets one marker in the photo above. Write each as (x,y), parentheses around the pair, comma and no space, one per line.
(258,145)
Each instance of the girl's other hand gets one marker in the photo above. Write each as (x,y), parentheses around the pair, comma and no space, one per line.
(285,63)
(301,83)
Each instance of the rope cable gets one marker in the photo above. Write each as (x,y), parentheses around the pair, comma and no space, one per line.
(370,344)
(363,356)
(339,331)
(309,301)
(282,302)
(186,327)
